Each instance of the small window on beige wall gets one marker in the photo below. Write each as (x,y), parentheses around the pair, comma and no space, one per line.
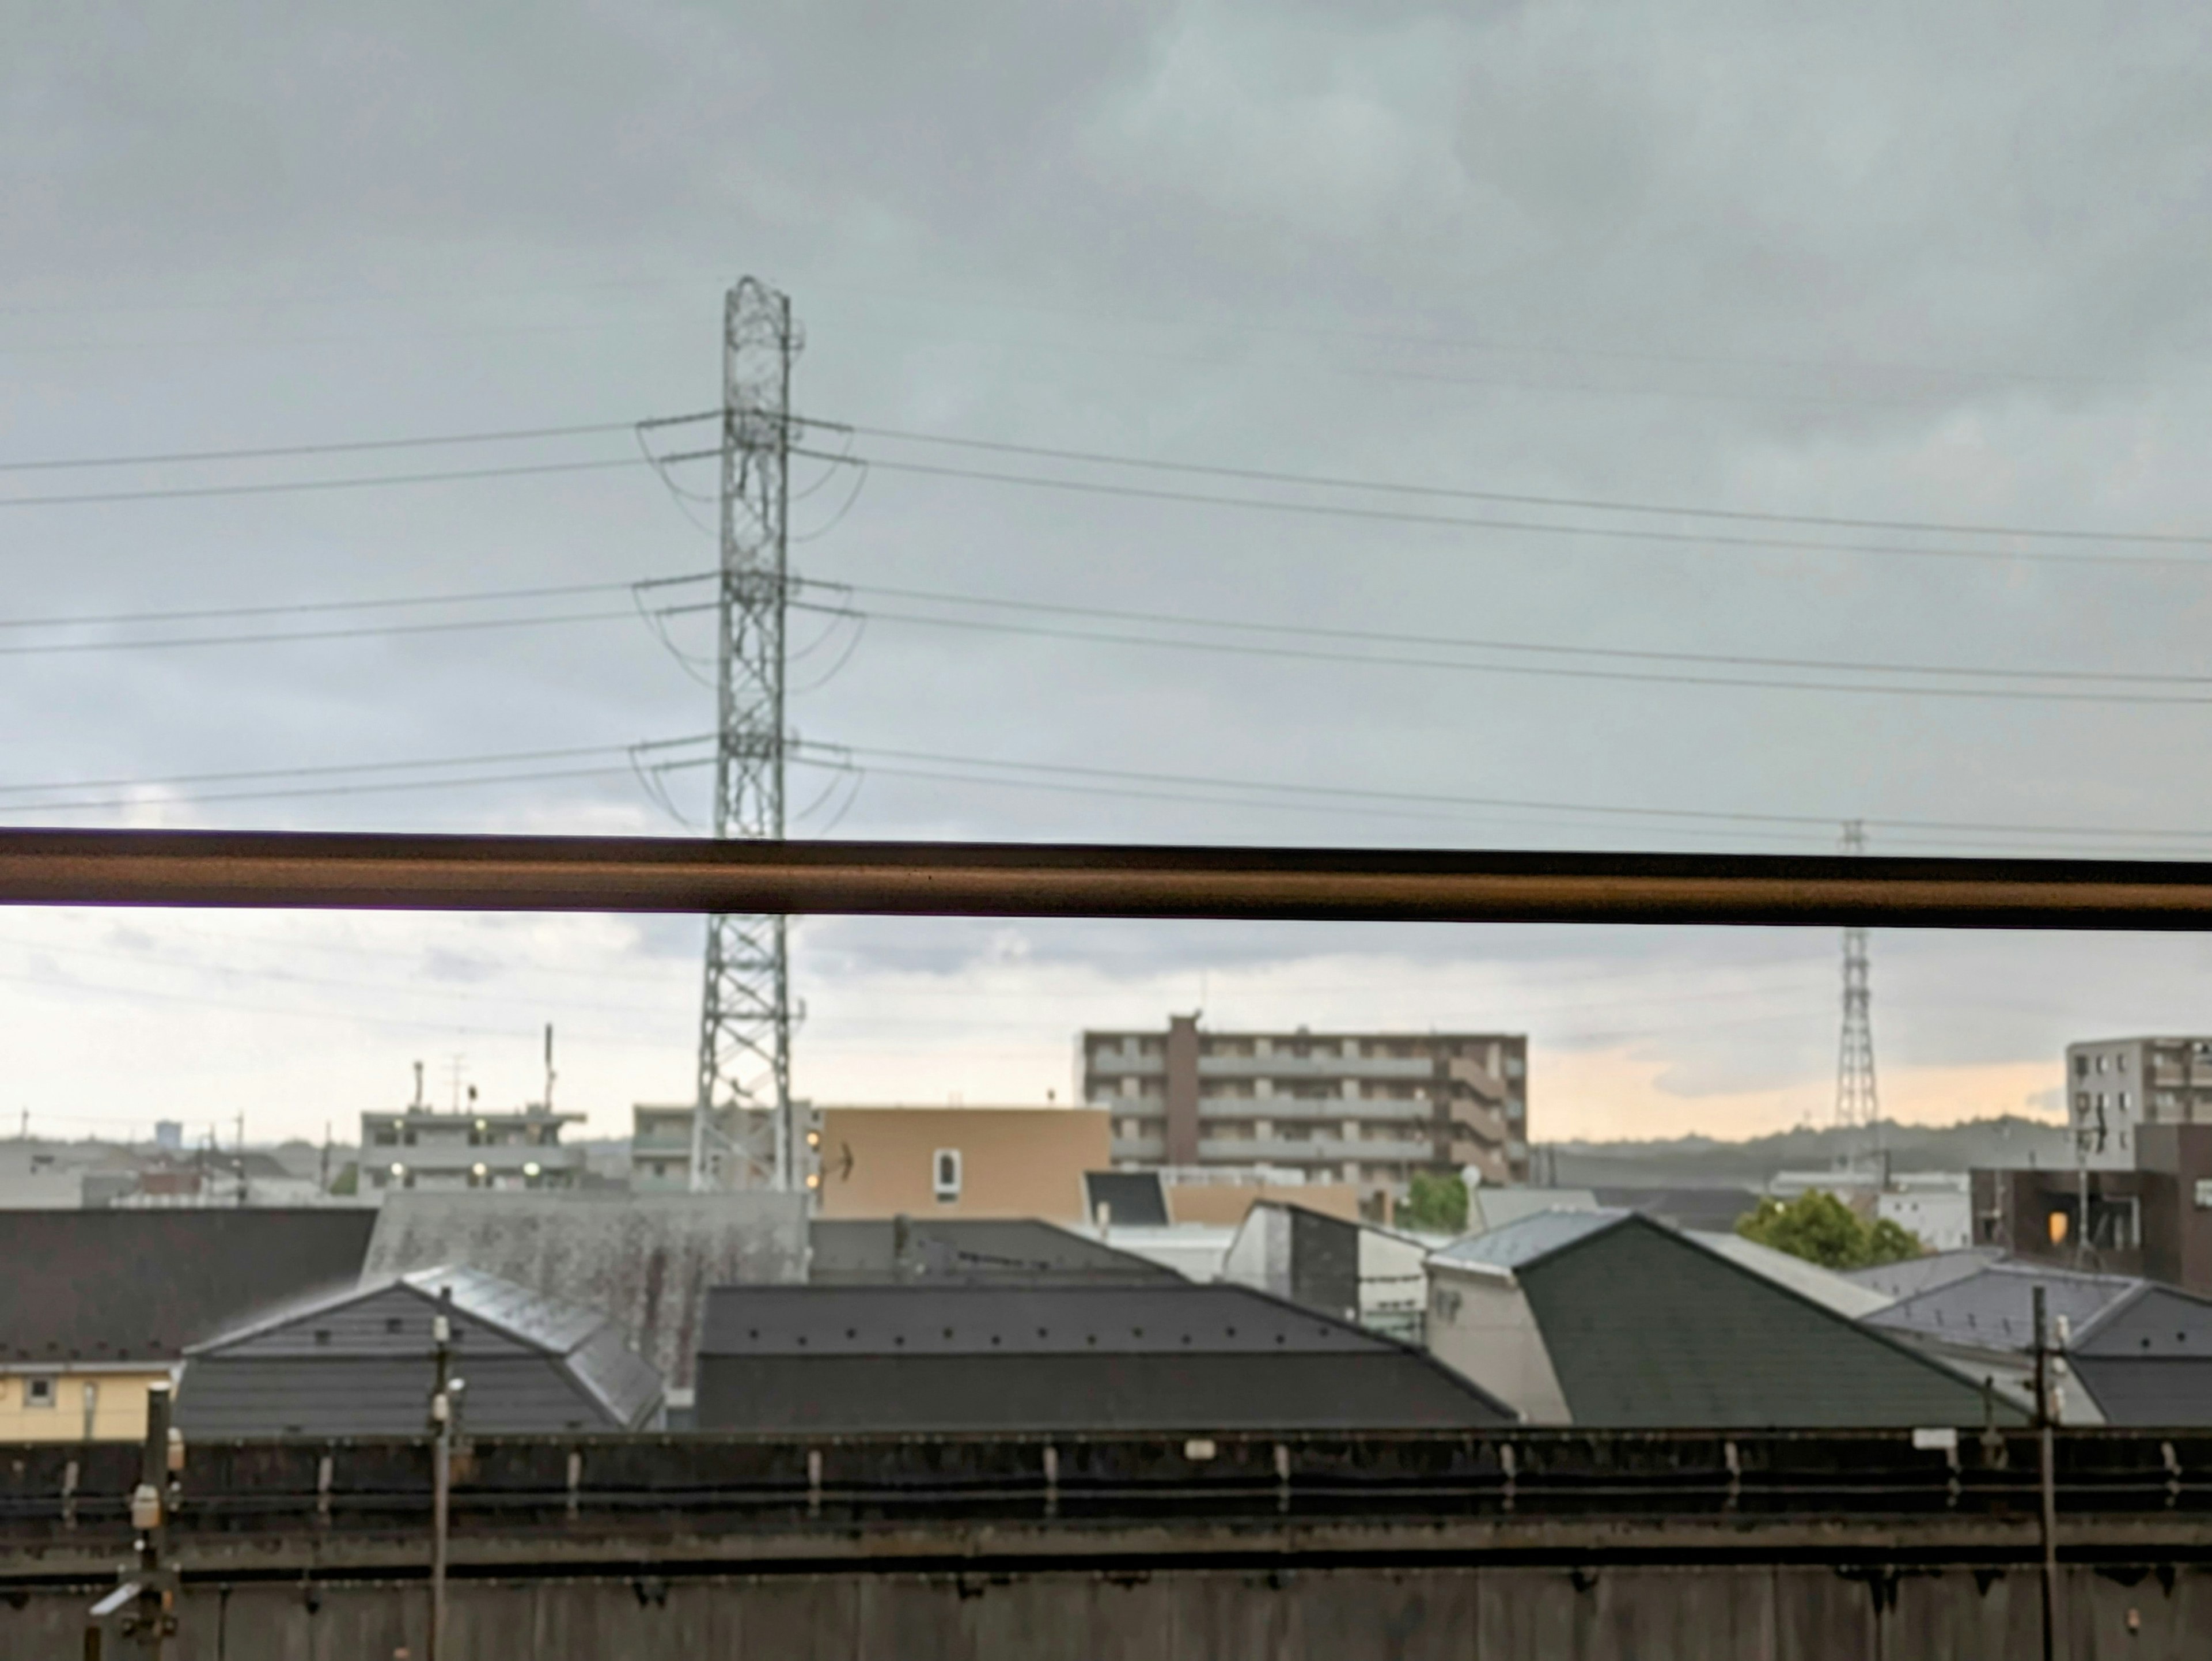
(945,1173)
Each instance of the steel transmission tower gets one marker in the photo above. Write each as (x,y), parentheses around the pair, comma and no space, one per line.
(741,1131)
(1857,1105)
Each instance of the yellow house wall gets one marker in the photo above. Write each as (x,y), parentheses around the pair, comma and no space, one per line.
(119,1408)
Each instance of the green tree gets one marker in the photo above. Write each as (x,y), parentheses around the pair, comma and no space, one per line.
(348,1181)
(1821,1229)
(1434,1202)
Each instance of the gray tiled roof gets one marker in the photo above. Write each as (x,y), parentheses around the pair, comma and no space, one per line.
(1644,1326)
(966,1320)
(646,1261)
(1993,1307)
(1530,1239)
(864,1250)
(144,1285)
(339,1361)
(543,1323)
(1065,1357)
(1914,1275)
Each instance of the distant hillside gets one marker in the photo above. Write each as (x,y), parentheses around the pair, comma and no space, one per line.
(1689,1161)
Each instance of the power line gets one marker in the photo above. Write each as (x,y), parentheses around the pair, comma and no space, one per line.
(325,770)
(346,770)
(1594,504)
(1389,638)
(1226,648)
(1457,521)
(283,487)
(1810,823)
(480,596)
(463,625)
(349,446)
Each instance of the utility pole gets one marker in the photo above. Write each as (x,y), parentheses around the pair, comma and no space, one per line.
(238,1145)
(444,1395)
(2045,1415)
(1857,1106)
(144,1601)
(744,1016)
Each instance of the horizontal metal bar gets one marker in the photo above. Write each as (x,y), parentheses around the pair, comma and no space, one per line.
(292,870)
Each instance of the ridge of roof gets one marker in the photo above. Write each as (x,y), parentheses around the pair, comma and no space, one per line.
(2144,1288)
(1743,1270)
(477,1295)
(1362,1340)
(1921,1312)
(1527,1241)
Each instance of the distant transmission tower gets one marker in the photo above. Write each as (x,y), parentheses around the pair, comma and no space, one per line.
(1857,1107)
(741,1132)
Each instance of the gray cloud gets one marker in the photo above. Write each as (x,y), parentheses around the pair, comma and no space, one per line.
(1894,263)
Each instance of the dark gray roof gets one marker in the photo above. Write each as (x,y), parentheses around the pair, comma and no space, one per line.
(1992,1308)
(1174,1318)
(1136,1196)
(1075,1357)
(2147,1357)
(1645,1327)
(360,1362)
(866,1251)
(1914,1275)
(2150,1320)
(145,1284)
(646,1260)
(1528,1239)
(1713,1208)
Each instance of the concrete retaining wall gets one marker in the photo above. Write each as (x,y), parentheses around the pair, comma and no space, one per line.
(1630,1613)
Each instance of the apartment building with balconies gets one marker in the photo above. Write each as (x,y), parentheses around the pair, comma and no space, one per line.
(1369,1109)
(423,1147)
(2114,1086)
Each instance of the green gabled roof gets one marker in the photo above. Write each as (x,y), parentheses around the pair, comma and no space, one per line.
(1646,1328)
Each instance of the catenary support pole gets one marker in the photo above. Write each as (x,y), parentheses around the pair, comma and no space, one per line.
(441,1465)
(2047,1481)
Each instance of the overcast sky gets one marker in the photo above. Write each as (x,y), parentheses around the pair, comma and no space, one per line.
(1890,262)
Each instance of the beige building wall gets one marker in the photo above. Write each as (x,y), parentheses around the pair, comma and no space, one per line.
(116,1412)
(1480,1326)
(1008,1161)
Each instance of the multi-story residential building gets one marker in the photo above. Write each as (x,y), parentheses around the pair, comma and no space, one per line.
(660,1144)
(2115,1085)
(422,1146)
(1364,1108)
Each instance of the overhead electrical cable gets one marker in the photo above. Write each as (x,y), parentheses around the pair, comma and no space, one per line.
(1305,654)
(349,770)
(1587,504)
(349,447)
(280,487)
(1458,521)
(1390,638)
(294,608)
(378,630)
(1823,823)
